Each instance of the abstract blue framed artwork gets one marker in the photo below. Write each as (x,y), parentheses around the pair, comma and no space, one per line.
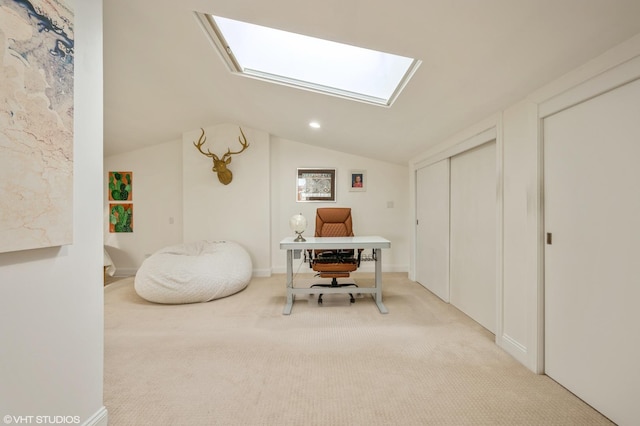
(36,124)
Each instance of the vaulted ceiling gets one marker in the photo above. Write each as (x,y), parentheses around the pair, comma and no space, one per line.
(163,76)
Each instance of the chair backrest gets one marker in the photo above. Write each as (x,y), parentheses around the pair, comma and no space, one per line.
(334,222)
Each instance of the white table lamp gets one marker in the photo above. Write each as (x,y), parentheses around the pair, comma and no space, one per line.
(298,224)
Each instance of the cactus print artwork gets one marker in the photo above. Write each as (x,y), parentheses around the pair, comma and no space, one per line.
(120,186)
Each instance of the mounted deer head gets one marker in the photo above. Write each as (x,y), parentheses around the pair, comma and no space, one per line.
(220,165)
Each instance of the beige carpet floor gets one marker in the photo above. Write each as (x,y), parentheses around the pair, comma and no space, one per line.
(239,361)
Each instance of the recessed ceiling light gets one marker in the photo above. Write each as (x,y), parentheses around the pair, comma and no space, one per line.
(314,124)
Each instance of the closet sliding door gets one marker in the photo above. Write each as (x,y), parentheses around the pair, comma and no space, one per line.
(473,234)
(592,279)
(456,231)
(432,229)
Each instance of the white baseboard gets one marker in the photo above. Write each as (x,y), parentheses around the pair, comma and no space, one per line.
(125,272)
(98,419)
(364,267)
(261,273)
(265,272)
(516,350)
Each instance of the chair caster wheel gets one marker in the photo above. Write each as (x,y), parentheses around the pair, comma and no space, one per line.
(320,300)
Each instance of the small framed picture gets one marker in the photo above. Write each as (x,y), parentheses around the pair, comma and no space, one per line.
(120,217)
(358,180)
(120,186)
(316,185)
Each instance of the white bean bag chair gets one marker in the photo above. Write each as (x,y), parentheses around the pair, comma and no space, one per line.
(194,272)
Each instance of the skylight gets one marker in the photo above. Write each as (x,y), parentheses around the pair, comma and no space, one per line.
(309,63)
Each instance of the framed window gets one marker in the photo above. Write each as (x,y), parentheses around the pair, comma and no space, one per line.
(309,63)
(358,181)
(316,185)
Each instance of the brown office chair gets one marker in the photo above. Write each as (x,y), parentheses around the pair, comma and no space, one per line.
(334,264)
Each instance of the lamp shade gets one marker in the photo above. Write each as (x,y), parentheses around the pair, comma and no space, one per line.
(298,223)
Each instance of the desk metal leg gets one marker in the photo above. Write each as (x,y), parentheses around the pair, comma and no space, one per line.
(378,279)
(377,294)
(289,305)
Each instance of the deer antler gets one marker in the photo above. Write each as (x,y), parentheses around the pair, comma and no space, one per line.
(201,142)
(220,166)
(244,144)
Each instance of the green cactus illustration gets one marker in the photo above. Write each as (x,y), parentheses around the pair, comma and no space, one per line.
(121,217)
(120,186)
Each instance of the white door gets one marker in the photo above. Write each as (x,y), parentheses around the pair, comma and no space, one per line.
(473,234)
(432,231)
(592,264)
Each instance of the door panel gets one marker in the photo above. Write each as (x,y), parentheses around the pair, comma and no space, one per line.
(592,280)
(432,238)
(473,234)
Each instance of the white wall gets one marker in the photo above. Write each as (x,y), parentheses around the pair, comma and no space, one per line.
(238,211)
(157,204)
(520,243)
(254,209)
(518,327)
(52,299)
(386,183)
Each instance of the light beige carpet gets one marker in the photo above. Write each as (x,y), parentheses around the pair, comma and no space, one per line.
(239,361)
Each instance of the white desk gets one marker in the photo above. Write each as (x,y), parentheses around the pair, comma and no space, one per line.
(374,243)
